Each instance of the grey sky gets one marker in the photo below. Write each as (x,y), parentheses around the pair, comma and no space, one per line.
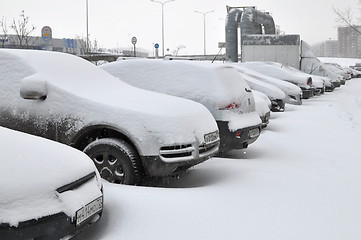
(114,22)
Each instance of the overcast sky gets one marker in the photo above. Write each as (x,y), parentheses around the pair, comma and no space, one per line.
(114,22)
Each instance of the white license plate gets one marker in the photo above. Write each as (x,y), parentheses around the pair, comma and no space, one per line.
(253,132)
(211,137)
(89,210)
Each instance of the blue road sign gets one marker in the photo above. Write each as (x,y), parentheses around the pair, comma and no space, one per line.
(156,45)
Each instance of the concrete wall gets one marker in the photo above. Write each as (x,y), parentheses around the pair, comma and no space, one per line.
(284,49)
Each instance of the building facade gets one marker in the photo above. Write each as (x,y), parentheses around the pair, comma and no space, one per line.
(349,42)
(73,46)
(327,48)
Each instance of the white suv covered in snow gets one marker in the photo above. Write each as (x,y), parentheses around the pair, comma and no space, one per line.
(217,86)
(127,131)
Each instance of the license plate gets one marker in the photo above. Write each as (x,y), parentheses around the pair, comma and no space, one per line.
(89,210)
(253,132)
(211,137)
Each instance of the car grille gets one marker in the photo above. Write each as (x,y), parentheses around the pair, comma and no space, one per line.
(186,152)
(178,151)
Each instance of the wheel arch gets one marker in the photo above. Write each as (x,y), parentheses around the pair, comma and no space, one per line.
(93,132)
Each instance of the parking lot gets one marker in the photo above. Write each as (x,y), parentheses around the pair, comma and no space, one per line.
(300,180)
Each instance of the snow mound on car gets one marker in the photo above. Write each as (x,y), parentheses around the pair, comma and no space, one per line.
(31,169)
(215,86)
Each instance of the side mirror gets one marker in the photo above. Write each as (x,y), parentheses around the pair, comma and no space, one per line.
(33,88)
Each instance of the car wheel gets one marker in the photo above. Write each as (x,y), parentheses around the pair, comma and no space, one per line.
(116,161)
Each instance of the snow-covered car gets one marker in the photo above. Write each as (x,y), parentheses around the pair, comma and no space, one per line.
(263,106)
(129,132)
(354,72)
(317,81)
(276,95)
(312,65)
(292,91)
(340,70)
(328,86)
(47,190)
(217,86)
(280,71)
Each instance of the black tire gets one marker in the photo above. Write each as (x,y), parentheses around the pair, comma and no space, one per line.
(116,161)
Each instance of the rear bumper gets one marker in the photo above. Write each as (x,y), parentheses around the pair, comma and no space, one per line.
(51,227)
(307,93)
(238,139)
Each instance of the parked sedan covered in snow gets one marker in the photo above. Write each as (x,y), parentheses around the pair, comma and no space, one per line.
(277,70)
(127,131)
(216,86)
(293,92)
(276,95)
(47,190)
(318,82)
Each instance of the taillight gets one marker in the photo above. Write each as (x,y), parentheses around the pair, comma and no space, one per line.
(238,135)
(309,81)
(230,106)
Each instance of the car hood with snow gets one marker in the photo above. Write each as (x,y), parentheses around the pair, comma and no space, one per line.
(78,94)
(35,173)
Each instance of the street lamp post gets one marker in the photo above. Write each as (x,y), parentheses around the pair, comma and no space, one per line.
(204,28)
(87,32)
(162,21)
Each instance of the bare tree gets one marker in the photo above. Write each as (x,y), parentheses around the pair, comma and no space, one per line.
(345,18)
(4,30)
(22,30)
(176,51)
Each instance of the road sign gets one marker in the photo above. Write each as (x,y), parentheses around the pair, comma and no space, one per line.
(46,33)
(134,40)
(156,45)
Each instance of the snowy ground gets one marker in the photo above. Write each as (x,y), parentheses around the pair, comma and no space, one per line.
(300,180)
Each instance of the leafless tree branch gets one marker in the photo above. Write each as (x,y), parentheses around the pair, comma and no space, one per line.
(345,18)
(22,30)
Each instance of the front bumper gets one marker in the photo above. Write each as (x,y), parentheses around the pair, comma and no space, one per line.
(278,105)
(238,139)
(50,227)
(329,88)
(155,167)
(178,158)
(336,83)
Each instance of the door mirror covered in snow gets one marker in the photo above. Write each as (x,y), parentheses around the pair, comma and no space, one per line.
(33,88)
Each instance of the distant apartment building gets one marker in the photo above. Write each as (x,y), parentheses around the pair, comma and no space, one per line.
(327,48)
(349,42)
